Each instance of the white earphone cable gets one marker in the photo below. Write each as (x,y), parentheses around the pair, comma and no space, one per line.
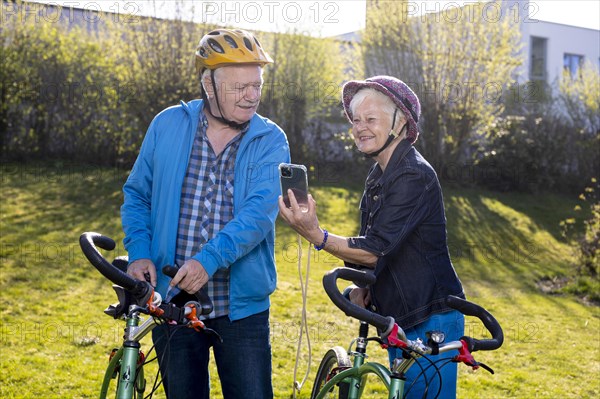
(304,322)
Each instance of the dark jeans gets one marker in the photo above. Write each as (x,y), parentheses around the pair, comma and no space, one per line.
(243,359)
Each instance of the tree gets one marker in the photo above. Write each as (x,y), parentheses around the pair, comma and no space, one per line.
(552,143)
(580,97)
(302,84)
(458,61)
(579,100)
(160,56)
(69,92)
(586,244)
(59,92)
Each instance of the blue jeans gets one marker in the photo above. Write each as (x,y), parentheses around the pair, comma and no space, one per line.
(243,359)
(453,325)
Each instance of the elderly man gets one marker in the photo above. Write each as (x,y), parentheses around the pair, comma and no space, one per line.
(201,195)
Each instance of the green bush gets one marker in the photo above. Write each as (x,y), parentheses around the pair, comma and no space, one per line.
(537,148)
(586,268)
(89,95)
(60,94)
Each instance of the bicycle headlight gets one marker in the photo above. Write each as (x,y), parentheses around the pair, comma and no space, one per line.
(435,336)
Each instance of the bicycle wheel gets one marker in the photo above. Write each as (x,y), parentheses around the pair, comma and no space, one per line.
(335,360)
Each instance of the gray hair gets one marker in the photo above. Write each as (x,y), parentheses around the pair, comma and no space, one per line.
(206,74)
(389,106)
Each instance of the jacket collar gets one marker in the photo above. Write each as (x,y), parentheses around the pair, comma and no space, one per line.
(376,175)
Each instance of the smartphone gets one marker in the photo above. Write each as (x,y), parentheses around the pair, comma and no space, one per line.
(294,177)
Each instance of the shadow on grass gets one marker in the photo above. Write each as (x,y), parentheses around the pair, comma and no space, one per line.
(45,209)
(507,240)
(495,242)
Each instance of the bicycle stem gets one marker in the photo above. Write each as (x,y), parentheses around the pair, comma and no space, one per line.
(136,333)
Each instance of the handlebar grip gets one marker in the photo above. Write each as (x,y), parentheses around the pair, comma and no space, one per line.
(103,242)
(470,309)
(384,324)
(141,290)
(206,305)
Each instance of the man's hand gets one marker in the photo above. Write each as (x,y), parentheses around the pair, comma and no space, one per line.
(360,297)
(141,268)
(191,277)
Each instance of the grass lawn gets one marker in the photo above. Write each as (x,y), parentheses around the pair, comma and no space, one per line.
(55,340)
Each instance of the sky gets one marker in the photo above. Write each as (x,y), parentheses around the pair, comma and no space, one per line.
(325,18)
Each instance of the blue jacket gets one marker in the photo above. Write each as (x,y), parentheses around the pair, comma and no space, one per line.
(403,222)
(150,212)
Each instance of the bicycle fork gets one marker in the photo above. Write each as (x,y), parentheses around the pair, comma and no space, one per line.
(396,379)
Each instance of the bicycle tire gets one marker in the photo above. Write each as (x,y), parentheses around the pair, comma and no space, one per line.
(335,359)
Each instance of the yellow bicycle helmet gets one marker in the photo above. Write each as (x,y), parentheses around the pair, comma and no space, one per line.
(226,46)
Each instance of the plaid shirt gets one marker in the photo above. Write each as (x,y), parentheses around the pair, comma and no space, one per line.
(206,207)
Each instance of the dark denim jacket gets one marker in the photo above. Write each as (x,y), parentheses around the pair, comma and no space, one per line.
(404,224)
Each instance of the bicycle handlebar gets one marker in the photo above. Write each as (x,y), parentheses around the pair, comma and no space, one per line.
(141,290)
(470,309)
(204,301)
(386,324)
(88,241)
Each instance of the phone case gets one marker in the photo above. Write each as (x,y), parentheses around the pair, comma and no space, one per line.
(294,177)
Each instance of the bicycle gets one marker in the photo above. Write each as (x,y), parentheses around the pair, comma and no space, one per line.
(339,377)
(126,363)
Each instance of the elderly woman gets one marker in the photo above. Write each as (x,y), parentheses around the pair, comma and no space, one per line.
(403,224)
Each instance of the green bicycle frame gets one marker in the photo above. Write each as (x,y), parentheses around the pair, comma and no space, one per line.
(124,363)
(357,375)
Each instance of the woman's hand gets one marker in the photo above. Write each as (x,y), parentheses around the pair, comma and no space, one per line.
(360,297)
(305,222)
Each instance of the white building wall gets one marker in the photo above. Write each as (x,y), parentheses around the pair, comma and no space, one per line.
(561,39)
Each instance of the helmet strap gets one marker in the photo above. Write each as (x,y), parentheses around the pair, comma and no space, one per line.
(391,137)
(230,123)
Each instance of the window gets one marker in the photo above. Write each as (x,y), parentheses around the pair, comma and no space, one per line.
(572,63)
(537,66)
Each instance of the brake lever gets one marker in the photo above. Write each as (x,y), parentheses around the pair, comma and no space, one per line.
(197,324)
(486,367)
(475,365)
(213,332)
(206,305)
(465,356)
